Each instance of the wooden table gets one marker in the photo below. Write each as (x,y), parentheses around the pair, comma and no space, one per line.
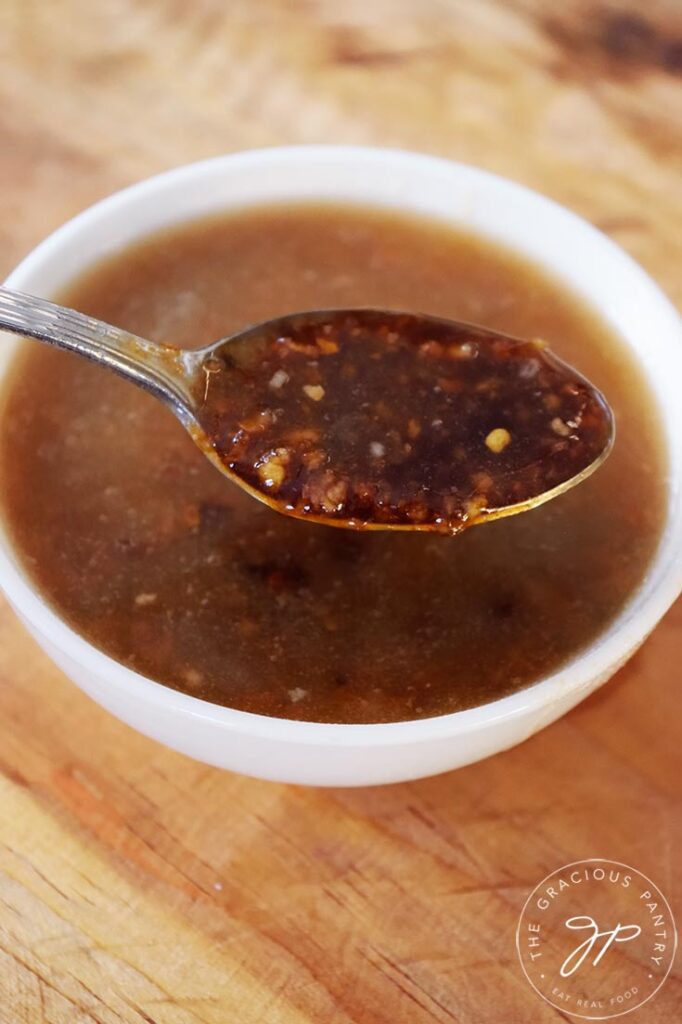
(137,886)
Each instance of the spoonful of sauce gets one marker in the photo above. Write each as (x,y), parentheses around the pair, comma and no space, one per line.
(365,418)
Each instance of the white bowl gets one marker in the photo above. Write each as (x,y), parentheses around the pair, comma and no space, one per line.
(590,264)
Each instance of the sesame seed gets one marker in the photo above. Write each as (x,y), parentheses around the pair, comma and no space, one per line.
(279,379)
(559,427)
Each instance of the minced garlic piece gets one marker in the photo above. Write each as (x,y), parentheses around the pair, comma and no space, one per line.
(498,439)
(327,346)
(272,470)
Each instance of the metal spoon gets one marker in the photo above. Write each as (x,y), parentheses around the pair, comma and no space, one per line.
(366,419)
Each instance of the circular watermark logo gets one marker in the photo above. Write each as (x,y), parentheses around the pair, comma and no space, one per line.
(596,939)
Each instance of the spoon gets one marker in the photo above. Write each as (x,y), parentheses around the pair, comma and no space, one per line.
(366,419)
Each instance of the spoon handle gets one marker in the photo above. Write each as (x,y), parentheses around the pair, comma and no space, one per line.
(161,369)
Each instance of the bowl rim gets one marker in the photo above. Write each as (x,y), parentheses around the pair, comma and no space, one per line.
(654,595)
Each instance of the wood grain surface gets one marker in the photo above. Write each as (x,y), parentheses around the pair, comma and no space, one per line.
(137,887)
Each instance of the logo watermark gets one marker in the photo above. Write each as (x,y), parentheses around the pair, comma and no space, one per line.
(596,939)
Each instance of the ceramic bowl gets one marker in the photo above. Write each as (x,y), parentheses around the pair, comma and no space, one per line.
(585,260)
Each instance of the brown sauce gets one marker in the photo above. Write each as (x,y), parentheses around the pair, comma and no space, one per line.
(152,555)
(375,418)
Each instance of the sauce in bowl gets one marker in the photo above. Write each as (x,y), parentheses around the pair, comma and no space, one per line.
(154,557)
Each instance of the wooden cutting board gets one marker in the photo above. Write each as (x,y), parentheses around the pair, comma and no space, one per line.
(137,886)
